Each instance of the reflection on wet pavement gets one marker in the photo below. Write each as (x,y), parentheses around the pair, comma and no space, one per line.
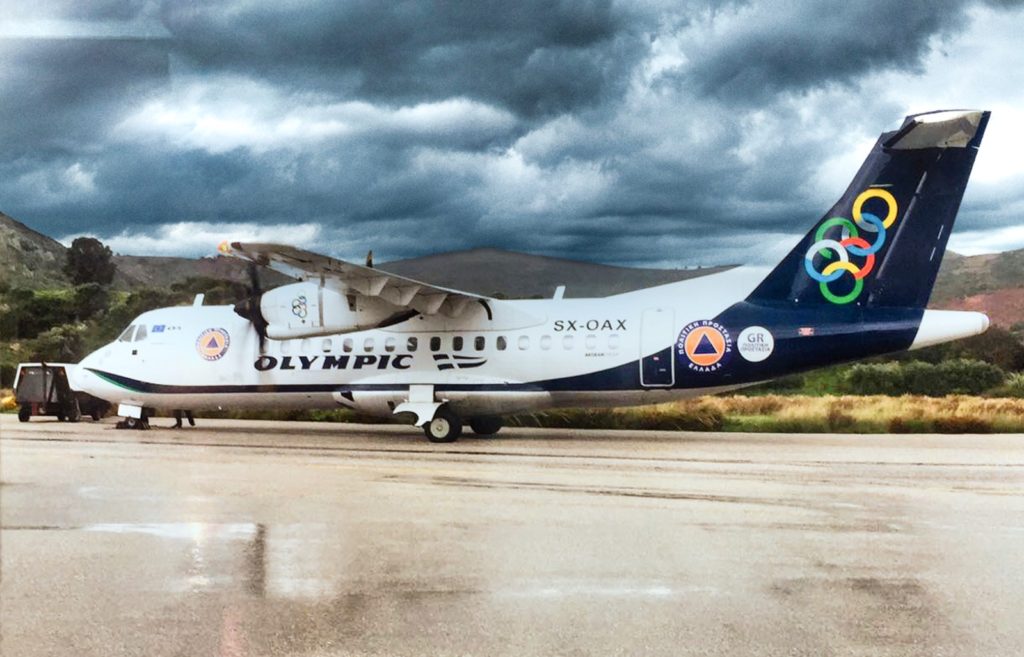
(361,543)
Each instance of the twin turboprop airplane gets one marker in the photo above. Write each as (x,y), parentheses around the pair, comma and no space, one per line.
(354,336)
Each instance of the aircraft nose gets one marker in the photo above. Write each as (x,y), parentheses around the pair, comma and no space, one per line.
(85,380)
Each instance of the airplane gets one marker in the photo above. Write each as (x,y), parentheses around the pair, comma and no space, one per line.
(355,336)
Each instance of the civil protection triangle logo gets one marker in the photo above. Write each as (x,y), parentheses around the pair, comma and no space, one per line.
(704,346)
(213,343)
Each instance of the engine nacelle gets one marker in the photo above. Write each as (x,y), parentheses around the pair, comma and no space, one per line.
(303,310)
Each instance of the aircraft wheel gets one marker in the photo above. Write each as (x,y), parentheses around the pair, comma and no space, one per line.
(24,413)
(444,428)
(485,426)
(132,423)
(95,414)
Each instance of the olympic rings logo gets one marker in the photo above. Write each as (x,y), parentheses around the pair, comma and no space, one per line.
(299,307)
(852,243)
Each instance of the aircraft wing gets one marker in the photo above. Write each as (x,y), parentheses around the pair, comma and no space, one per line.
(349,278)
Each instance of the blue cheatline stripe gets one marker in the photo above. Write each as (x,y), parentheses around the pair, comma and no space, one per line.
(623,377)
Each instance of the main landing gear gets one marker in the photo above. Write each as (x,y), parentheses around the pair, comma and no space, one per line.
(446,427)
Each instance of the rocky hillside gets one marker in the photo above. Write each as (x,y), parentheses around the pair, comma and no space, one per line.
(32,260)
(27,258)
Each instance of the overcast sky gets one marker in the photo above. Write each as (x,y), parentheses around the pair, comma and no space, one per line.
(636,133)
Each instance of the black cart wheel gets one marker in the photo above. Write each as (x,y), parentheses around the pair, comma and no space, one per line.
(485,426)
(444,428)
(24,413)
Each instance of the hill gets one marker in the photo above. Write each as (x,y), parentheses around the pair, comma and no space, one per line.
(34,261)
(962,276)
(494,272)
(27,258)
(992,283)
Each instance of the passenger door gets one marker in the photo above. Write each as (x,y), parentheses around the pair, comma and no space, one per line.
(657,335)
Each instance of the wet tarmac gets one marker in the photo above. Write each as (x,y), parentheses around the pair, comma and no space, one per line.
(261,538)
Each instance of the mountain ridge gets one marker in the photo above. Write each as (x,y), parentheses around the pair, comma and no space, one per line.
(991,283)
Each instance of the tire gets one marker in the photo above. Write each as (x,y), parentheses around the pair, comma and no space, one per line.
(444,428)
(24,413)
(132,423)
(95,414)
(486,426)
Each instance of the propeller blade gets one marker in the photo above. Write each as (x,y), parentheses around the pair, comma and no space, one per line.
(250,308)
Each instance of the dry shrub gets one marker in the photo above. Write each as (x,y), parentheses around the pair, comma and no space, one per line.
(962,424)
(837,419)
(899,425)
(761,405)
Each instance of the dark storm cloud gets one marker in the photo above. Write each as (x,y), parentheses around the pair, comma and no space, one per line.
(616,132)
(755,50)
(534,57)
(59,95)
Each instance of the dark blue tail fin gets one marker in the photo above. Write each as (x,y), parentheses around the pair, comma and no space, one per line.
(882,243)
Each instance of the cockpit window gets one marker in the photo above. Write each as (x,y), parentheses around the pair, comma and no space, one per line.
(140,334)
(127,335)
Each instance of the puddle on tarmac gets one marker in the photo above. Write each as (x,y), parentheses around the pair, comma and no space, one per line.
(291,561)
(179,530)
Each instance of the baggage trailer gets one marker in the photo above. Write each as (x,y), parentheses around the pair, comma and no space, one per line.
(45,389)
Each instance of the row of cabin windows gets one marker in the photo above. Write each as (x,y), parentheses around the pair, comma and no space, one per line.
(460,343)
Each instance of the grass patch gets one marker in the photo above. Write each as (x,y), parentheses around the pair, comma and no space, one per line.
(770,413)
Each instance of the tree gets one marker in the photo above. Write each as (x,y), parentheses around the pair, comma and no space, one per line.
(89,261)
(90,299)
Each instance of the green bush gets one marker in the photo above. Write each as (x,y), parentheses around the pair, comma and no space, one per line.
(952,377)
(996,345)
(1012,387)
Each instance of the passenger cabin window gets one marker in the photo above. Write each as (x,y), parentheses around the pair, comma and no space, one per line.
(479,343)
(327,345)
(411,344)
(140,333)
(346,345)
(613,341)
(368,345)
(591,342)
(501,343)
(545,342)
(524,342)
(127,335)
(390,344)
(286,346)
(457,343)
(567,342)
(435,343)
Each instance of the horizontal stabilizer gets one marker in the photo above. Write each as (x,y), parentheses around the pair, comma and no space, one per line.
(938,326)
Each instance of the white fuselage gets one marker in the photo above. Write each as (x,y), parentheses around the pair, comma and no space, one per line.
(480,365)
